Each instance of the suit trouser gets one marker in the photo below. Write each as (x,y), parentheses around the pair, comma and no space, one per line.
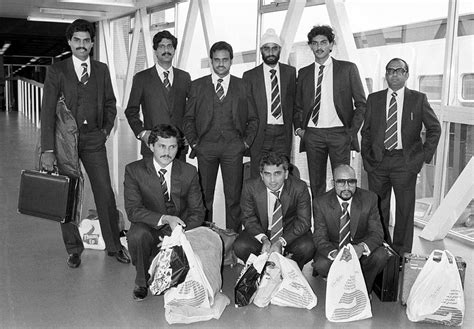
(302,249)
(392,172)
(229,156)
(319,143)
(143,247)
(93,155)
(371,265)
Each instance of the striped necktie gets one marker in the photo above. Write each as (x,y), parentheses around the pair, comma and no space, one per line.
(277,219)
(276,99)
(391,141)
(220,90)
(345,227)
(317,97)
(164,187)
(166,81)
(84,75)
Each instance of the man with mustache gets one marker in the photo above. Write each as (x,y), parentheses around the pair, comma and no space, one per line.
(220,124)
(330,106)
(273,86)
(160,192)
(87,90)
(160,92)
(348,214)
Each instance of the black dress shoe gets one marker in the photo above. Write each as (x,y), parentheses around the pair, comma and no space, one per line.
(140,293)
(74,260)
(121,255)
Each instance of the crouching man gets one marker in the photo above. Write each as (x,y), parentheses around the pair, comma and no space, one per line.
(160,193)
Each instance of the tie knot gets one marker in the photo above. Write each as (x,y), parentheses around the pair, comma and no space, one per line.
(394,94)
(220,80)
(276,193)
(84,66)
(321,67)
(272,72)
(345,205)
(163,171)
(166,73)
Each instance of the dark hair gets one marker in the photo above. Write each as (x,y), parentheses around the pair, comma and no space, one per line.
(325,30)
(273,158)
(394,60)
(164,131)
(164,35)
(80,25)
(221,45)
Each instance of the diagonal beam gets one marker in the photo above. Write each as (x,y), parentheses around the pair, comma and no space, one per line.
(290,27)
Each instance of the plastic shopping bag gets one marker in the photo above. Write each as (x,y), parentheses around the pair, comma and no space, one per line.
(269,282)
(249,278)
(170,266)
(90,232)
(437,295)
(346,293)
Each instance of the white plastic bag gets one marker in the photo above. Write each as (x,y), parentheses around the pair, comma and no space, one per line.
(269,282)
(437,295)
(346,293)
(90,232)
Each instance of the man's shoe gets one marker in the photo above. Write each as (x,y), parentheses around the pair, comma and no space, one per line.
(140,293)
(74,260)
(121,255)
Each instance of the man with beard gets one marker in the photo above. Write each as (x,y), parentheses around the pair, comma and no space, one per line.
(273,87)
(330,106)
(160,91)
(160,192)
(348,214)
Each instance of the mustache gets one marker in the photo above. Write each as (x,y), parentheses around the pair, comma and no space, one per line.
(79,48)
(167,53)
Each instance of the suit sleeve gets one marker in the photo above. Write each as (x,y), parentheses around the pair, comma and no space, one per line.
(302,223)
(374,236)
(132,112)
(433,130)
(298,110)
(358,95)
(195,211)
(252,118)
(249,215)
(189,119)
(366,143)
(110,106)
(321,234)
(48,108)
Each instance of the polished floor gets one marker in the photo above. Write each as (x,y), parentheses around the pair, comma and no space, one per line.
(38,290)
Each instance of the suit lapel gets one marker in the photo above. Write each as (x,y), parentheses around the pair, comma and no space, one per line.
(262,99)
(380,112)
(285,197)
(72,80)
(176,185)
(155,183)
(311,86)
(262,204)
(407,100)
(356,207)
(336,73)
(335,213)
(157,84)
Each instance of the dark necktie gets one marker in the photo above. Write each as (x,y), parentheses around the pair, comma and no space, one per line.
(317,97)
(277,219)
(164,187)
(166,81)
(390,141)
(220,89)
(345,227)
(276,99)
(84,75)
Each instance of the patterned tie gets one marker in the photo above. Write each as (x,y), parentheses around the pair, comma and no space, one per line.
(164,187)
(276,100)
(317,97)
(84,75)
(220,89)
(345,228)
(166,81)
(391,131)
(277,225)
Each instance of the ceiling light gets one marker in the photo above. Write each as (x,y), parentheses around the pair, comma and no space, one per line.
(72,12)
(53,19)
(118,3)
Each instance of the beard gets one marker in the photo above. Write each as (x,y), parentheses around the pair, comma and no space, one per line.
(271,59)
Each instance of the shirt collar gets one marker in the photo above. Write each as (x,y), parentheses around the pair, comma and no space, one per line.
(327,63)
(267,67)
(279,190)
(161,70)
(399,91)
(158,167)
(77,62)
(225,79)
(341,201)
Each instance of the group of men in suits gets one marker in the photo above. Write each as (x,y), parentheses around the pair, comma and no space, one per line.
(224,118)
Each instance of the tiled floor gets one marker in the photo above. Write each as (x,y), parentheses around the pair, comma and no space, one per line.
(38,290)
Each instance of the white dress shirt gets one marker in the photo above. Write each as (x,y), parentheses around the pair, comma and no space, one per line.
(225,83)
(271,120)
(400,99)
(78,66)
(167,176)
(161,73)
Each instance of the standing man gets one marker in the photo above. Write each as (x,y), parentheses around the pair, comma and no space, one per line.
(160,192)
(330,106)
(273,87)
(87,89)
(161,92)
(276,213)
(393,151)
(347,214)
(220,124)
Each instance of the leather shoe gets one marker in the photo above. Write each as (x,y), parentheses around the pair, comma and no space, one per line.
(74,260)
(140,293)
(121,255)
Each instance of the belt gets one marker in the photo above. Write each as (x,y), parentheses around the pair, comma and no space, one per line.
(393,152)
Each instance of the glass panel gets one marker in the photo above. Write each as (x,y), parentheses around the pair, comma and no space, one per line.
(468,87)
(431,85)
(121,37)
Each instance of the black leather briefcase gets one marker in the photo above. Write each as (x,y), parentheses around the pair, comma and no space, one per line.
(386,282)
(49,196)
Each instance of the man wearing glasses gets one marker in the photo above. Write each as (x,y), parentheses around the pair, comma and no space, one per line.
(393,151)
(348,214)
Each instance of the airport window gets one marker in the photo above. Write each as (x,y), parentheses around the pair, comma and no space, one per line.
(431,85)
(370,84)
(468,87)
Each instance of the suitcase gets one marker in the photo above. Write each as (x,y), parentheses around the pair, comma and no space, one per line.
(49,196)
(412,265)
(386,282)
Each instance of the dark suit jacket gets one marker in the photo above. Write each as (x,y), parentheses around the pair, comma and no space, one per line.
(62,79)
(199,109)
(287,81)
(158,106)
(144,201)
(295,202)
(348,95)
(365,225)
(416,111)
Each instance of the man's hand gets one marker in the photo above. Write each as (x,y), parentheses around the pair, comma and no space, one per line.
(266,244)
(300,133)
(172,221)
(276,247)
(48,160)
(145,137)
(359,250)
